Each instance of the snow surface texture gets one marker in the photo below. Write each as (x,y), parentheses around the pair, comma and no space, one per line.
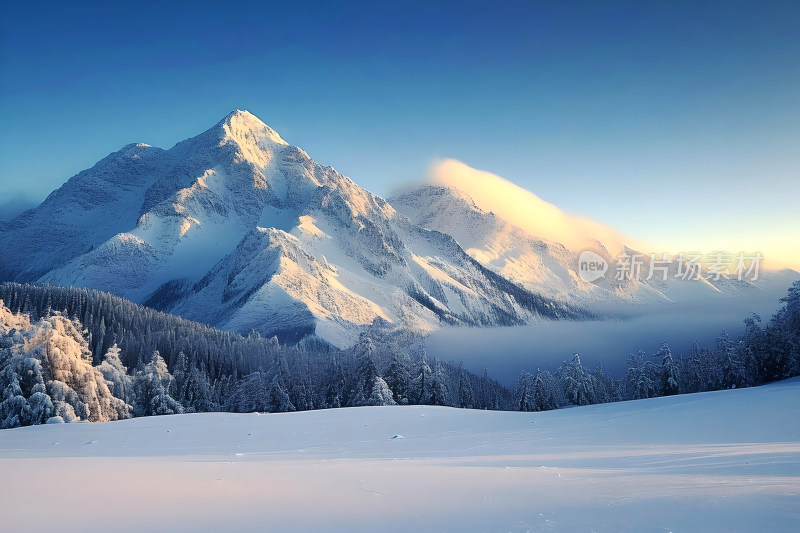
(718,461)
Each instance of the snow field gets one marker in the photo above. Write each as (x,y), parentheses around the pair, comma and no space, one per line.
(719,461)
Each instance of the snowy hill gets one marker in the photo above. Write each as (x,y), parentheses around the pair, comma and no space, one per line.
(240,230)
(718,461)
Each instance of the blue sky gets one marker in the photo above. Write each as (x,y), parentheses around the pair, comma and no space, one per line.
(675,122)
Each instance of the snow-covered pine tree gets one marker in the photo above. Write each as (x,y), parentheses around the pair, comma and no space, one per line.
(606,388)
(23,396)
(578,385)
(47,372)
(691,369)
(753,352)
(279,398)
(335,383)
(466,397)
(115,373)
(398,376)
(251,393)
(198,391)
(782,338)
(440,395)
(787,320)
(632,375)
(523,392)
(151,386)
(71,379)
(669,371)
(546,394)
(732,368)
(421,384)
(381,394)
(363,379)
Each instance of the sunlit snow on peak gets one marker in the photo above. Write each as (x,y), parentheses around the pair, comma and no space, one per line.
(255,140)
(245,124)
(524,209)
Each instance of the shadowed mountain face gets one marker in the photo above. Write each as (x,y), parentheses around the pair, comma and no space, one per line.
(238,229)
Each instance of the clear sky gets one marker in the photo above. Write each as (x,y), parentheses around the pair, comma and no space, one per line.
(675,122)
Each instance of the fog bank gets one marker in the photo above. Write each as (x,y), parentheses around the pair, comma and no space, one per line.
(507,351)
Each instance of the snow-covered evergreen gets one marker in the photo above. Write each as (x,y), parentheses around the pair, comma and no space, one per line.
(47,372)
(669,372)
(151,389)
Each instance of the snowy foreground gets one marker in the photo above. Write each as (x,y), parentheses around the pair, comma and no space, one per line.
(719,461)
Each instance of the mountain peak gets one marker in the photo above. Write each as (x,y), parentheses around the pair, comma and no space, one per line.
(245,128)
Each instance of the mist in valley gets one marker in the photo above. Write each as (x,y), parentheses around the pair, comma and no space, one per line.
(504,352)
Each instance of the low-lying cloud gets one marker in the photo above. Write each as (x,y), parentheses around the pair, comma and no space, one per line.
(507,351)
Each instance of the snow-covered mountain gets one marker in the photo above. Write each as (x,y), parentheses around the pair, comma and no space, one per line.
(550,268)
(239,229)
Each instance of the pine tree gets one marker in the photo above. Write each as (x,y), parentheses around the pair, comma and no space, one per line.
(669,371)
(578,386)
(198,394)
(732,368)
(605,388)
(692,371)
(483,396)
(440,395)
(545,392)
(152,386)
(279,398)
(381,394)
(466,398)
(47,372)
(640,377)
(524,391)
(422,382)
(115,373)
(335,386)
(363,381)
(398,378)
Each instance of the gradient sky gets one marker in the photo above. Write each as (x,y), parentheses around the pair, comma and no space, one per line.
(675,122)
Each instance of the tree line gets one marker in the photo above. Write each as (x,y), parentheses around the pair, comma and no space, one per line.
(76,354)
(157,363)
(764,353)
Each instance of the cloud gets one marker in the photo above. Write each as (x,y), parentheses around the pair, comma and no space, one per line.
(507,351)
(778,245)
(524,209)
(14,204)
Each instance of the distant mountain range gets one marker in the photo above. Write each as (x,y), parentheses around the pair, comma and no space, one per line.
(240,230)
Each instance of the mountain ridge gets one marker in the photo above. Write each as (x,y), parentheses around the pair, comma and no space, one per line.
(239,229)
(550,268)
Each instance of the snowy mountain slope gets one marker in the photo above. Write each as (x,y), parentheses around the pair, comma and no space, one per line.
(196,210)
(541,265)
(148,203)
(348,261)
(90,208)
(717,461)
(237,228)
